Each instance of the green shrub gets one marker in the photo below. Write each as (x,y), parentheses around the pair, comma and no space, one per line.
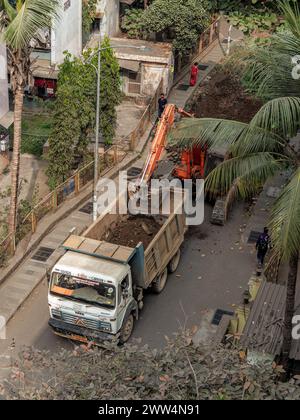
(33,145)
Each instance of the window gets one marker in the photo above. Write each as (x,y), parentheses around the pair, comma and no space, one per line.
(134,82)
(124,286)
(84,290)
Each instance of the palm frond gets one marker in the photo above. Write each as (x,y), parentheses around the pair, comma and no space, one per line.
(291,12)
(246,173)
(9,10)
(33,15)
(232,136)
(285,219)
(281,116)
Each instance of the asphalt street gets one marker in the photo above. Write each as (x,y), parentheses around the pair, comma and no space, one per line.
(214,271)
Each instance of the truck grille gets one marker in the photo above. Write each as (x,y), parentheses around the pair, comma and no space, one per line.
(92,324)
(81,322)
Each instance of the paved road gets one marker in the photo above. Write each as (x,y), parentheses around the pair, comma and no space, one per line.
(213,273)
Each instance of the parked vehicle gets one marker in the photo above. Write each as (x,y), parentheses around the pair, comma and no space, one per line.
(97,288)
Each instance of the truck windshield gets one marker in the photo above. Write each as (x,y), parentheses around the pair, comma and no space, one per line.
(87,291)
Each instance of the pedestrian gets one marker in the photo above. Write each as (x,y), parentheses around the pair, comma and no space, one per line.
(262,246)
(162,102)
(194,74)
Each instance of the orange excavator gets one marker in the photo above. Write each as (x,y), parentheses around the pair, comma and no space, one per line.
(191,163)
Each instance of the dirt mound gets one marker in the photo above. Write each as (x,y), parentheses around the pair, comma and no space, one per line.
(134,230)
(224,97)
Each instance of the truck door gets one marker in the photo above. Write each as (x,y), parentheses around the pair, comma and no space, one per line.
(124,296)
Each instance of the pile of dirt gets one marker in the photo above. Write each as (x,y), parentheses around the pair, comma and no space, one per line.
(224,97)
(133,230)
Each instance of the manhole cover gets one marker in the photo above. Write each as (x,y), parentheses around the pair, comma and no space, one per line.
(87,209)
(218,316)
(183,87)
(253,237)
(43,254)
(202,67)
(134,172)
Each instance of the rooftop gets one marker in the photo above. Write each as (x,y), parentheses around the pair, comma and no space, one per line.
(126,49)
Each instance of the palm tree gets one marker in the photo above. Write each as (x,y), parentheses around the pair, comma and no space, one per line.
(260,149)
(19,23)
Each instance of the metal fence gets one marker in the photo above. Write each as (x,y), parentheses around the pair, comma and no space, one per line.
(140,130)
(70,188)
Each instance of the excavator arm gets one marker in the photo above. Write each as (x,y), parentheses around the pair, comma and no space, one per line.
(159,143)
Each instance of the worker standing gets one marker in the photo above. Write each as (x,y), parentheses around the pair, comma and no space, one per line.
(194,74)
(162,102)
(262,246)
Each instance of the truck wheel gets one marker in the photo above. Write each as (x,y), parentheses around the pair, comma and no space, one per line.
(173,264)
(161,282)
(126,330)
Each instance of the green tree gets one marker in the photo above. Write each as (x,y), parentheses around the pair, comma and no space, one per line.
(261,149)
(179,20)
(75,110)
(19,23)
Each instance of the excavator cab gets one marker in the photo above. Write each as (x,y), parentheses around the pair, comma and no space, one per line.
(192,164)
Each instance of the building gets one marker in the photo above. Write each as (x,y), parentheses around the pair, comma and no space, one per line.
(6,117)
(109,13)
(49,46)
(143,65)
(143,69)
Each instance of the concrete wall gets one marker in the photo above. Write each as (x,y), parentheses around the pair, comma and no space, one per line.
(67,34)
(3,82)
(110,20)
(152,75)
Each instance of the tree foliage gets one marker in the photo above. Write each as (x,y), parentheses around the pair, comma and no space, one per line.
(75,110)
(180,371)
(88,14)
(181,21)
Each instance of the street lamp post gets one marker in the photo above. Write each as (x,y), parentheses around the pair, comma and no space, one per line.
(96,157)
(96,168)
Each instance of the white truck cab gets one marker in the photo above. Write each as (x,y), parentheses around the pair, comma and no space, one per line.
(91,294)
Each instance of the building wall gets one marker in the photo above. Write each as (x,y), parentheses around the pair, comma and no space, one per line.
(67,34)
(110,19)
(152,75)
(4,107)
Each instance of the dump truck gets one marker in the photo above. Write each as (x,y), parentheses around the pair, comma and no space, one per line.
(96,289)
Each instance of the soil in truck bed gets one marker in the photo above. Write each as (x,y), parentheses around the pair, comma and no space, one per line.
(133,230)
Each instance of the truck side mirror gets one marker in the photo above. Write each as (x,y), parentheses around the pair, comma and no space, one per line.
(48,275)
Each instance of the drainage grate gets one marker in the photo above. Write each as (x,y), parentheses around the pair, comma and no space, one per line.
(43,254)
(225,41)
(183,87)
(218,316)
(202,67)
(132,172)
(87,209)
(253,237)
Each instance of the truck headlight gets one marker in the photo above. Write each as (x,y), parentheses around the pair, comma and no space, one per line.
(105,326)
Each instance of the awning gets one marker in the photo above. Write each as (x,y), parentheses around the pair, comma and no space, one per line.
(129,65)
(7,120)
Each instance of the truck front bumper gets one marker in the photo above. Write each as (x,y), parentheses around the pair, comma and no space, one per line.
(81,334)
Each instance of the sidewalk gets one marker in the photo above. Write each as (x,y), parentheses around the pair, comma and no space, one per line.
(44,248)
